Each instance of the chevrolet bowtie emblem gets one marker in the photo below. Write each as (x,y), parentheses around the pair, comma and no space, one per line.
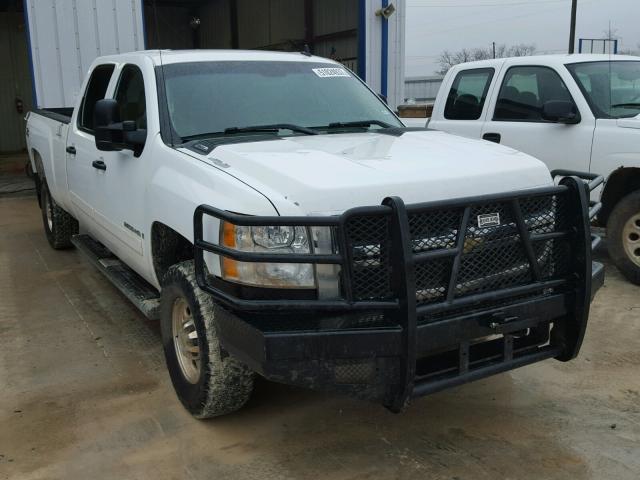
(471,243)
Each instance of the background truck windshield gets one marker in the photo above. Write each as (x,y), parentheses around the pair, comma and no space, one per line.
(208,97)
(611,88)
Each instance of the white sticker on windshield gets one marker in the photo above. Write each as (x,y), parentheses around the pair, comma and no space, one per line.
(330,72)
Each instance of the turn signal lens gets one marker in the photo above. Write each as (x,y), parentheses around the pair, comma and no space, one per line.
(229,266)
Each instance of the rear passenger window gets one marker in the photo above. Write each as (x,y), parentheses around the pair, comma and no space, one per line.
(524,91)
(468,93)
(96,90)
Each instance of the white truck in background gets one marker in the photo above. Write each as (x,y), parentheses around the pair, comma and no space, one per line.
(570,111)
(254,202)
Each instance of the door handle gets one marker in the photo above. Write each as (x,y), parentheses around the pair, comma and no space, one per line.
(71,150)
(99,164)
(492,137)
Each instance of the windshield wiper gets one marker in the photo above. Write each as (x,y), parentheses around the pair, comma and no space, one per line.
(276,127)
(358,123)
(626,105)
(270,128)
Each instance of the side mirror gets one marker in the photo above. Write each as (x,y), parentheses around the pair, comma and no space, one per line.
(106,116)
(560,111)
(113,135)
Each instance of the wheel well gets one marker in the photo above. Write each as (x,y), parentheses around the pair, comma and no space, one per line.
(168,247)
(620,183)
(38,173)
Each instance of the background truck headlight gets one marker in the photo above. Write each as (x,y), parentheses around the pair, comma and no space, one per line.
(272,239)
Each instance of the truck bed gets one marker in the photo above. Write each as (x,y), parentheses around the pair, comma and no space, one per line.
(62,114)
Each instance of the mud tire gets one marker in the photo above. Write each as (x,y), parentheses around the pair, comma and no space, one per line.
(622,213)
(224,384)
(59,226)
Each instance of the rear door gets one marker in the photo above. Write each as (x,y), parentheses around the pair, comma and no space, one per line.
(465,106)
(86,181)
(515,117)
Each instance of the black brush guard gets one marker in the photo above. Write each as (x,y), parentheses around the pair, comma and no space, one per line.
(429,299)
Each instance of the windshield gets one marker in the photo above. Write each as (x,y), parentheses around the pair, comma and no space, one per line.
(611,88)
(209,97)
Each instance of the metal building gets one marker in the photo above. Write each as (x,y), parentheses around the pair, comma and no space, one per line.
(65,36)
(15,77)
(421,89)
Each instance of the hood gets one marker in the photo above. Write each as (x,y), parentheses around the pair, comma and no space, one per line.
(327,174)
(631,122)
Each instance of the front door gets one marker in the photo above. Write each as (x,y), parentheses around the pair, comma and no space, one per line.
(120,208)
(515,119)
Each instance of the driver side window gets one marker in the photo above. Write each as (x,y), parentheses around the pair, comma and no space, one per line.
(525,90)
(96,90)
(130,96)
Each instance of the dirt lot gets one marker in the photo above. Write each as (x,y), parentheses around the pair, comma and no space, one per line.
(85,395)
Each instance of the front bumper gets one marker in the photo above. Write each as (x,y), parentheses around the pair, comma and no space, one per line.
(391,345)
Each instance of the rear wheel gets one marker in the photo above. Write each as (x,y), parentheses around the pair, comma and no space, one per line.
(623,236)
(208,381)
(59,226)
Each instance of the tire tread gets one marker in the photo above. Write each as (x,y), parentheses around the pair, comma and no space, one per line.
(228,383)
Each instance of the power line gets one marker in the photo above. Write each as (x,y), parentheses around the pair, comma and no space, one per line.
(430,33)
(474,5)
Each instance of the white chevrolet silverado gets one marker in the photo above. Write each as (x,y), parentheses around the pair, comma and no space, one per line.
(570,111)
(278,219)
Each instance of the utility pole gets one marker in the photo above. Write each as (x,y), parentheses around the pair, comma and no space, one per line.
(572,31)
(494,49)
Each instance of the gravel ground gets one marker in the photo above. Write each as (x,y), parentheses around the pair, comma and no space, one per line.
(85,394)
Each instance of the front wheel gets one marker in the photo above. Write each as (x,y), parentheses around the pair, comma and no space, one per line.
(208,381)
(623,236)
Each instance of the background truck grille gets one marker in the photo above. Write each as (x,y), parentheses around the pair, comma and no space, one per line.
(490,257)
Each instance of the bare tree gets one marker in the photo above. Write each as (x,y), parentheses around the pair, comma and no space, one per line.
(521,50)
(448,59)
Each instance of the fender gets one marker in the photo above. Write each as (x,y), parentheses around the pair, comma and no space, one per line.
(180,184)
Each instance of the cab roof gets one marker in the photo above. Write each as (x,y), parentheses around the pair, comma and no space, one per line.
(167,57)
(549,60)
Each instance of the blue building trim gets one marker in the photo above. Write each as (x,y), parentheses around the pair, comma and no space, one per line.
(362,39)
(34,95)
(384,60)
(144,25)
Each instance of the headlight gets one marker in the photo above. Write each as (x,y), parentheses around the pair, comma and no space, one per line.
(272,239)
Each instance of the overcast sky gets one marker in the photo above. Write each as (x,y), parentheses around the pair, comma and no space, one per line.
(436,25)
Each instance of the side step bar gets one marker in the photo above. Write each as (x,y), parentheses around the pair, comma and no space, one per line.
(142,294)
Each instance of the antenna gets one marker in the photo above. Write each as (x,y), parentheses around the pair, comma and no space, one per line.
(306,51)
(164,82)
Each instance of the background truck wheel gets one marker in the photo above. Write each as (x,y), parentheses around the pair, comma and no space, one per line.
(623,236)
(208,381)
(59,226)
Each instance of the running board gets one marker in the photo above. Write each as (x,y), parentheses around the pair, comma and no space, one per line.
(141,293)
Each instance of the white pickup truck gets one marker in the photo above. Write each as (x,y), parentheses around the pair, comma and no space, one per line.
(570,111)
(278,219)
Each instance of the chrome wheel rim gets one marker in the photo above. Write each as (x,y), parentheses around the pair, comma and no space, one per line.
(48,211)
(185,340)
(631,238)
